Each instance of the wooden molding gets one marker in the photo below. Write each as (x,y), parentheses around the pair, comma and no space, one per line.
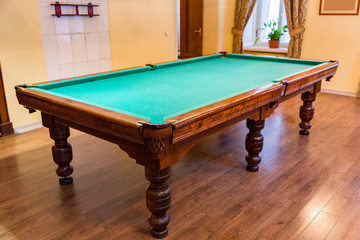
(6,127)
(353,12)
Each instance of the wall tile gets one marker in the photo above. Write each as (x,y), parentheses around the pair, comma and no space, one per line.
(45,9)
(105,65)
(46,1)
(104,45)
(76,25)
(50,49)
(87,1)
(81,68)
(62,25)
(65,49)
(102,20)
(68,9)
(48,26)
(53,72)
(67,70)
(90,24)
(92,46)
(83,9)
(46,20)
(75,46)
(79,47)
(94,66)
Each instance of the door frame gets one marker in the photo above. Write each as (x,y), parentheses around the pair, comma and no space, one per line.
(180,19)
(221,22)
(6,127)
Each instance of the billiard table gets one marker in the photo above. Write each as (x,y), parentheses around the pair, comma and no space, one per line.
(156,113)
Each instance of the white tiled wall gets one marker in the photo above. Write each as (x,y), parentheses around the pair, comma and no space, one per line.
(75,46)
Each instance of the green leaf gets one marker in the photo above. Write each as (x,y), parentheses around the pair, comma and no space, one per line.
(276,31)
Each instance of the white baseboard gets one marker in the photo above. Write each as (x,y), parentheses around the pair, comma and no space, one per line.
(344,93)
(28,127)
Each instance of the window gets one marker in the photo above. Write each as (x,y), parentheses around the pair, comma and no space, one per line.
(264,11)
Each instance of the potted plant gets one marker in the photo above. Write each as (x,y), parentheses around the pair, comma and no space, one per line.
(275,33)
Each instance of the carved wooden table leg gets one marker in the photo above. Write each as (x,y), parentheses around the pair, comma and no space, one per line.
(254,143)
(62,153)
(306,112)
(158,200)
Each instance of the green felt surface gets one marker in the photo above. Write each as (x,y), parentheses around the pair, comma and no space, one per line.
(178,87)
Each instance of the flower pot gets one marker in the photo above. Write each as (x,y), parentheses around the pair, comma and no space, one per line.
(274,43)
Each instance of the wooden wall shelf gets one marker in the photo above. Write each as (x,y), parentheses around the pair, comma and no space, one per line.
(90,8)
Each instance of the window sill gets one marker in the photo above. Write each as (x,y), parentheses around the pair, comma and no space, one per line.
(266,49)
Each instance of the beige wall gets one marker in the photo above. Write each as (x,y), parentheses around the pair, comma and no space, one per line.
(228,8)
(211,26)
(334,38)
(21,53)
(137,32)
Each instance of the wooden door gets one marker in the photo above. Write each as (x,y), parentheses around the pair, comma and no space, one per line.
(191,28)
(6,127)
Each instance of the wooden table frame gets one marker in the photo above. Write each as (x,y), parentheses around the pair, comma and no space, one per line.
(158,146)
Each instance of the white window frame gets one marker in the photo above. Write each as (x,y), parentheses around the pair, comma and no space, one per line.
(251,31)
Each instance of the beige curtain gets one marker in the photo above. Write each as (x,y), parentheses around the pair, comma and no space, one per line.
(243,10)
(296,15)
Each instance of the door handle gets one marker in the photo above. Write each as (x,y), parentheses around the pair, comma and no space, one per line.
(199,31)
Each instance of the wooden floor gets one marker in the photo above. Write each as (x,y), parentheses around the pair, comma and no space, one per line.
(308,187)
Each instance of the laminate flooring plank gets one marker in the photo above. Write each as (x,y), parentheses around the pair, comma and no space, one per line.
(319,227)
(348,227)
